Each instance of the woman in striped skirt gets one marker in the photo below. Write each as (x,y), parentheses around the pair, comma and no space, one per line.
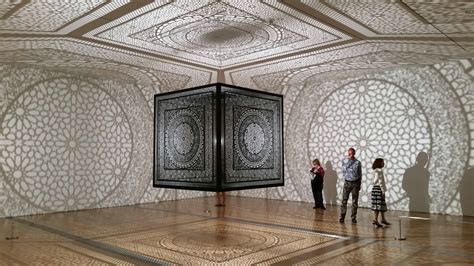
(378,193)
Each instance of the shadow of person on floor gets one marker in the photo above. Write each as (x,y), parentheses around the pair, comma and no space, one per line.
(466,194)
(330,180)
(416,183)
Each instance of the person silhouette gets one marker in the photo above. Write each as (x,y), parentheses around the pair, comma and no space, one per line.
(416,183)
(330,180)
(465,192)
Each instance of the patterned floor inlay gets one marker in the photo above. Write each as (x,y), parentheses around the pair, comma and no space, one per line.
(246,231)
(36,246)
(220,241)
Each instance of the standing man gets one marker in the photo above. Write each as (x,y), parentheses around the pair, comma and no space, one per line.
(352,172)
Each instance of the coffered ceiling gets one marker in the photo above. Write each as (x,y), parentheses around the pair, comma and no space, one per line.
(240,42)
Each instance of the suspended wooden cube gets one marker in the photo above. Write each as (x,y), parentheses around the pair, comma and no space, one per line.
(218,137)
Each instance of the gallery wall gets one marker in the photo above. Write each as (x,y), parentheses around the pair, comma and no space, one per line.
(420,119)
(76,129)
(77,132)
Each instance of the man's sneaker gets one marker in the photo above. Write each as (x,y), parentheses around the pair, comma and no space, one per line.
(341,220)
(354,221)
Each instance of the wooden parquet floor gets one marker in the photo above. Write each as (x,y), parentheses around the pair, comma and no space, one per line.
(246,231)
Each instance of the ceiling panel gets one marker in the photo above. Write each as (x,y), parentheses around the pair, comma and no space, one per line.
(52,16)
(75,56)
(216,33)
(455,18)
(375,18)
(361,56)
(235,41)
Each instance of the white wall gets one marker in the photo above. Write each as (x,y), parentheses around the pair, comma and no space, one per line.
(72,142)
(399,115)
(75,141)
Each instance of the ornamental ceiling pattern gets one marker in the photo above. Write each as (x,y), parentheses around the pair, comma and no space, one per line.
(217,33)
(222,35)
(375,18)
(56,17)
(71,55)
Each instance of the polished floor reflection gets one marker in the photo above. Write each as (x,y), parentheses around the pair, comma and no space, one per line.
(245,231)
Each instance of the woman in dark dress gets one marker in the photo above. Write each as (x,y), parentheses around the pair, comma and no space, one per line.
(317,173)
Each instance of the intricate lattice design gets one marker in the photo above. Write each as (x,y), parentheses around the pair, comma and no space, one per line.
(463,85)
(148,79)
(184,138)
(253,138)
(414,82)
(242,242)
(433,97)
(7,7)
(256,138)
(382,17)
(360,57)
(378,118)
(45,15)
(295,81)
(77,140)
(131,87)
(444,12)
(188,126)
(78,57)
(218,31)
(215,242)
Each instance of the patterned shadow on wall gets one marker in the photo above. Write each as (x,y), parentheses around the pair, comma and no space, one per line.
(65,144)
(397,115)
(379,119)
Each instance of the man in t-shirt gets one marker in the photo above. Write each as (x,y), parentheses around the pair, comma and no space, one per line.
(352,172)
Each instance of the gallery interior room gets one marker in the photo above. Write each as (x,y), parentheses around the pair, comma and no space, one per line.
(99,161)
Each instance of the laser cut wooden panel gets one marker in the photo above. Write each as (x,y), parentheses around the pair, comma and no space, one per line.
(218,137)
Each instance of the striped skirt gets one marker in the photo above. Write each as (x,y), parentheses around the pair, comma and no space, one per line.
(378,199)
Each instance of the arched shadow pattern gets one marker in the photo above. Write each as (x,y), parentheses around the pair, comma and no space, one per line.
(71,141)
(394,115)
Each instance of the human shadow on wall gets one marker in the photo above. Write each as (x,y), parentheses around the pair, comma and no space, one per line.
(466,193)
(330,180)
(416,183)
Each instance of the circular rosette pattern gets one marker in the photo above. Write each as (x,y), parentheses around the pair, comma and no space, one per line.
(184,139)
(67,144)
(254,138)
